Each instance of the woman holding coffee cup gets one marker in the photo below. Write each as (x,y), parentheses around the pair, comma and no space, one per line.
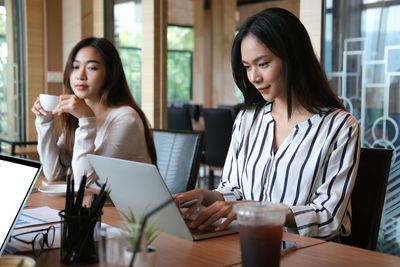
(293,142)
(98,115)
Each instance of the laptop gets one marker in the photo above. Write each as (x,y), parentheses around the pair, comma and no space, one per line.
(139,187)
(17,178)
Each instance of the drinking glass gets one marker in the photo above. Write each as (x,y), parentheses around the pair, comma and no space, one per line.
(260,232)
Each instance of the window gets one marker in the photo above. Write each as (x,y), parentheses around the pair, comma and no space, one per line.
(128,39)
(362,60)
(180,61)
(12,97)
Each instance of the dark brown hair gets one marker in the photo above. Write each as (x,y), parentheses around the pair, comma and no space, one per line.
(115,92)
(283,33)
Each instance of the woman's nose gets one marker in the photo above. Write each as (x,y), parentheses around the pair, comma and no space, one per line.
(255,76)
(80,74)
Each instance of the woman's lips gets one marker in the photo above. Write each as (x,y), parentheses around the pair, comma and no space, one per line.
(264,89)
(80,87)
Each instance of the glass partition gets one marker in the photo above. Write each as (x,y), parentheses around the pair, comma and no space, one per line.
(362,59)
(12,97)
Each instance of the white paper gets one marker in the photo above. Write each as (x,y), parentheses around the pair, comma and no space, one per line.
(37,216)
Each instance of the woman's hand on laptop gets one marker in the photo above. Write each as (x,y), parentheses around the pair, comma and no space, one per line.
(216,208)
(213,213)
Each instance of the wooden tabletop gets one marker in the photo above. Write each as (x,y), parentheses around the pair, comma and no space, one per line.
(225,251)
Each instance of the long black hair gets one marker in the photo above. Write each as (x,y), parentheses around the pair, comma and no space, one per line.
(115,92)
(285,36)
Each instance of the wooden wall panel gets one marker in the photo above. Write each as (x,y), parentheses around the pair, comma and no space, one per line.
(311,15)
(53,65)
(71,25)
(246,11)
(34,60)
(202,54)
(181,12)
(154,62)
(98,18)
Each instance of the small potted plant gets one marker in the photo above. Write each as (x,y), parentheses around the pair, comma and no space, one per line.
(132,229)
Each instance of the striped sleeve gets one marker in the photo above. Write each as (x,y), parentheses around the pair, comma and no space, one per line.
(229,185)
(323,215)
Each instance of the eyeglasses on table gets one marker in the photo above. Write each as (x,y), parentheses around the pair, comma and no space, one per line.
(43,237)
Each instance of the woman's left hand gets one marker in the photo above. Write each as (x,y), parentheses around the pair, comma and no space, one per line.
(73,105)
(213,213)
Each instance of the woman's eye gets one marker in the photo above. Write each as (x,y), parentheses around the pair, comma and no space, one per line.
(246,67)
(92,68)
(263,65)
(75,67)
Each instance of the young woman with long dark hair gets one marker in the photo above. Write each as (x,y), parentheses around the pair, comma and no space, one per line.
(98,115)
(293,142)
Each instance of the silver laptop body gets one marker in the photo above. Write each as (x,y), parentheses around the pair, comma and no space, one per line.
(139,187)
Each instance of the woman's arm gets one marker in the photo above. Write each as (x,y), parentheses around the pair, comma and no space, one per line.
(323,215)
(122,137)
(50,151)
(229,186)
(218,202)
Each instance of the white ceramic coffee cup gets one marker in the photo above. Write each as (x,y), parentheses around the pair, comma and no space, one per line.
(48,102)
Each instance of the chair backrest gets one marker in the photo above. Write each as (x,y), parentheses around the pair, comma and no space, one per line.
(179,118)
(218,126)
(233,108)
(178,157)
(368,197)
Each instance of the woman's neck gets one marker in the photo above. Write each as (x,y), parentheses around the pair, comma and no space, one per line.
(280,108)
(100,111)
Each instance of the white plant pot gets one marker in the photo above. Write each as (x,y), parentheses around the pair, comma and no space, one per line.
(147,259)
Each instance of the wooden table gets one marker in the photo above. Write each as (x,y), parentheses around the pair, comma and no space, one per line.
(225,251)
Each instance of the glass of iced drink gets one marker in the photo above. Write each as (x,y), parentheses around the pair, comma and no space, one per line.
(260,231)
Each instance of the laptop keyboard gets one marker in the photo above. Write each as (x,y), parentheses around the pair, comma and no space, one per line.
(196,231)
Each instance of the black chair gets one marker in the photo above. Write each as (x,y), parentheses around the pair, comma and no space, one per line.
(233,108)
(178,157)
(368,197)
(218,131)
(179,118)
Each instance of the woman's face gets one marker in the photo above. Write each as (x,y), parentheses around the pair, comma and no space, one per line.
(264,69)
(88,74)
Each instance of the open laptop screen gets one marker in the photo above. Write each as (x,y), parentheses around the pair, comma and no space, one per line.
(17,178)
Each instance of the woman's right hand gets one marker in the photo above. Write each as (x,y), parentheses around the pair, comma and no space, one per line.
(38,109)
(70,103)
(181,198)
(216,208)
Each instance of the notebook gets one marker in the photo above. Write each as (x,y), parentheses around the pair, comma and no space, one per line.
(17,178)
(139,187)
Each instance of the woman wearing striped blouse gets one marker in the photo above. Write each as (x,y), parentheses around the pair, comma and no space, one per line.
(293,142)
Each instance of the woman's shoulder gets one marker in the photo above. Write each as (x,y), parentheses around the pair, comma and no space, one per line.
(341,115)
(124,110)
(126,113)
(247,116)
(255,109)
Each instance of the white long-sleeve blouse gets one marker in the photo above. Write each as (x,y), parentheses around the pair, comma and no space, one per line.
(121,136)
(313,171)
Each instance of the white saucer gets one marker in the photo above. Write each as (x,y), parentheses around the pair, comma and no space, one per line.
(56,190)
(9,261)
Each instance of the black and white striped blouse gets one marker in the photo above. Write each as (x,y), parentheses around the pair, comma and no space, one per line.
(313,171)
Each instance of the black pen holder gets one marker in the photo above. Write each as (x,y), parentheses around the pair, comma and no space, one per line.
(78,239)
